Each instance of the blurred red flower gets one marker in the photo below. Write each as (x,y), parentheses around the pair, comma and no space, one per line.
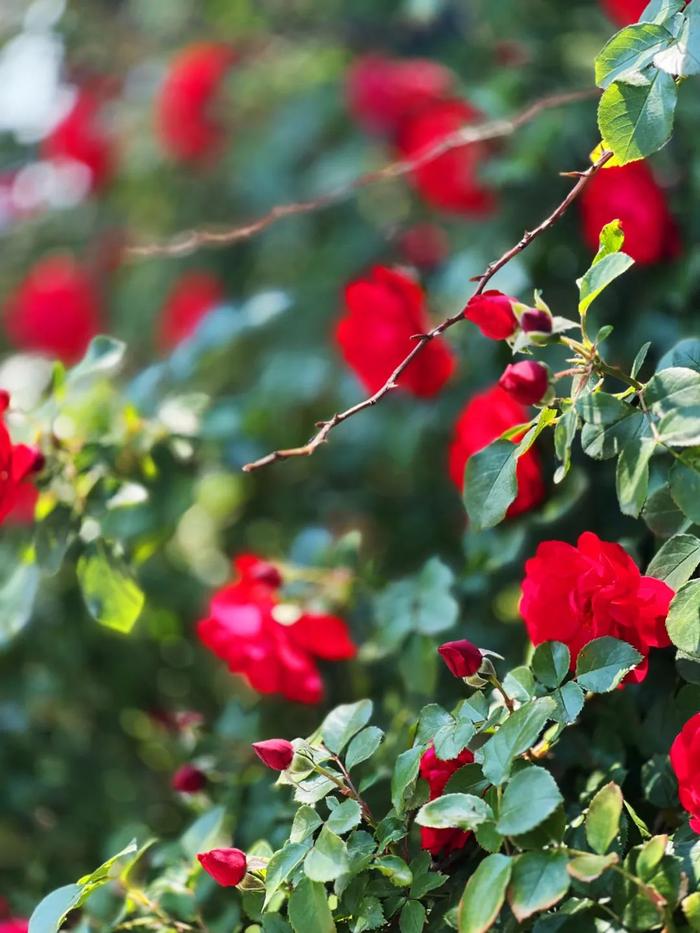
(385,309)
(189,301)
(14,925)
(188,780)
(486,416)
(186,117)
(81,136)
(624,12)
(382,92)
(17,463)
(424,245)
(630,194)
(449,182)
(273,657)
(574,594)
(685,761)
(437,773)
(493,314)
(55,310)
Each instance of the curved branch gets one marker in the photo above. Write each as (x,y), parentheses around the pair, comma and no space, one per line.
(325,427)
(189,241)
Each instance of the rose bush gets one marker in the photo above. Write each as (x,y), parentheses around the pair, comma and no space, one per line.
(452,679)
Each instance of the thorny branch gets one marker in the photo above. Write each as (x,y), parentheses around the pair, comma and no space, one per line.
(191,240)
(325,427)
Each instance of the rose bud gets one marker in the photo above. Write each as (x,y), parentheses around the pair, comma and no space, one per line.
(526,382)
(275,753)
(536,320)
(493,314)
(188,780)
(226,866)
(462,658)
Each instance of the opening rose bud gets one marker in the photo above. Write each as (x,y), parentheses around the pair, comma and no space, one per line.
(526,382)
(226,866)
(536,320)
(493,314)
(275,753)
(462,658)
(188,780)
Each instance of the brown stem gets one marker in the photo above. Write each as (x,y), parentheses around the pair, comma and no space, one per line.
(191,240)
(325,427)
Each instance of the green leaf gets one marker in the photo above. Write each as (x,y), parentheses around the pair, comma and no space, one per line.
(685,354)
(490,478)
(550,663)
(632,475)
(569,699)
(684,481)
(683,620)
(370,915)
(603,662)
(395,869)
(610,425)
(412,918)
(610,240)
(589,867)
(112,596)
(599,276)
(452,739)
(363,746)
(403,779)
(328,859)
(280,867)
(639,359)
(469,779)
(529,798)
(538,881)
(52,538)
(484,894)
(659,11)
(17,596)
(676,560)
(662,515)
(306,821)
(516,735)
(650,855)
(204,833)
(102,358)
(603,818)
(630,51)
(345,817)
(308,908)
(683,57)
(637,119)
(691,910)
(343,722)
(673,399)
(454,811)
(50,912)
(422,603)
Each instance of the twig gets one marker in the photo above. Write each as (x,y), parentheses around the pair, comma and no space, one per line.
(189,241)
(325,427)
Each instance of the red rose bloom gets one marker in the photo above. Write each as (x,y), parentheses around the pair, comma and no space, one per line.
(226,866)
(493,314)
(685,761)
(17,463)
(187,124)
(385,309)
(526,382)
(630,194)
(575,594)
(437,773)
(81,137)
(485,418)
(55,310)
(382,92)
(624,12)
(274,658)
(188,780)
(449,182)
(190,300)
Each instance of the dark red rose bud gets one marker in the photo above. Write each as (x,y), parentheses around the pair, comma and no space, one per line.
(536,320)
(461,657)
(4,400)
(275,753)
(188,780)
(226,866)
(526,382)
(493,314)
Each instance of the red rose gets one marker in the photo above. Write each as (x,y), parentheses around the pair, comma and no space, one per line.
(526,382)
(424,245)
(437,773)
(575,594)
(382,92)
(274,658)
(226,866)
(493,314)
(485,418)
(385,309)
(55,310)
(275,753)
(188,126)
(462,658)
(17,463)
(81,137)
(190,300)
(624,12)
(630,194)
(685,761)
(14,925)
(188,780)
(449,182)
